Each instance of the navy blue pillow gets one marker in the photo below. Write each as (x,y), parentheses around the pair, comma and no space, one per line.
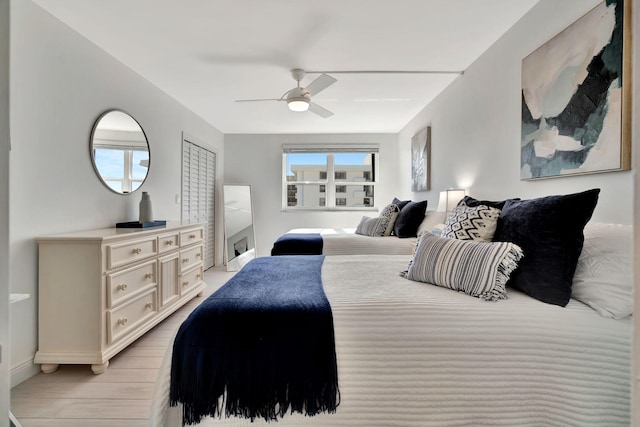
(549,231)
(409,219)
(472,203)
(399,203)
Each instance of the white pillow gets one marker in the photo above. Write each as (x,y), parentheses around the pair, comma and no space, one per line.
(479,269)
(431,220)
(604,274)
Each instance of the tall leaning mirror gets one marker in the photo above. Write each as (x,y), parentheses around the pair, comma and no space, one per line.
(119,151)
(239,234)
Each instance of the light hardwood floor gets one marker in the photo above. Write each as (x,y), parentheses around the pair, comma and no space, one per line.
(121,397)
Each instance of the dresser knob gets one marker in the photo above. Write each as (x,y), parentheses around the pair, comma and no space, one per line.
(185,283)
(136,250)
(199,255)
(122,287)
(148,305)
(198,276)
(148,276)
(192,236)
(185,260)
(169,242)
(122,321)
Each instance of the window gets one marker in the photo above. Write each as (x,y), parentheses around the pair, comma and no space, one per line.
(123,170)
(329,178)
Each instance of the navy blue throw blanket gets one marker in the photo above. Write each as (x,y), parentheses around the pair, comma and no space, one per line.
(260,346)
(298,244)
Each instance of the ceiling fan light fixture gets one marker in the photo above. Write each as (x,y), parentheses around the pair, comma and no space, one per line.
(298,104)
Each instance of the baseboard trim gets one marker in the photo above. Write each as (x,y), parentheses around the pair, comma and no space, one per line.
(23,371)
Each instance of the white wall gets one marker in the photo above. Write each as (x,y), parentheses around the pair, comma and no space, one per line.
(256,160)
(60,84)
(4,211)
(476,125)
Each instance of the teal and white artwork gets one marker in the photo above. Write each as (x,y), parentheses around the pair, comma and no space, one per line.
(572,99)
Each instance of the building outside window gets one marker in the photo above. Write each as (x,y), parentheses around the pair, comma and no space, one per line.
(314,177)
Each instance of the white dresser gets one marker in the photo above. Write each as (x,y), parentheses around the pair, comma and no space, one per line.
(100,290)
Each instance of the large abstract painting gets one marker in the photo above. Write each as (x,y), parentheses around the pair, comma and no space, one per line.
(575,104)
(420,153)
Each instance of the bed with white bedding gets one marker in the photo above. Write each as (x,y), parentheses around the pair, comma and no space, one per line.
(344,241)
(545,342)
(393,232)
(414,354)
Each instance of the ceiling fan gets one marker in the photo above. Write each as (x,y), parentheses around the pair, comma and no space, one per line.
(299,98)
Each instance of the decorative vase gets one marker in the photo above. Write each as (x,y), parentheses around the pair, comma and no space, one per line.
(146,213)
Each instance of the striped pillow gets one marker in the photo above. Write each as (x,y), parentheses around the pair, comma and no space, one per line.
(479,269)
(378,227)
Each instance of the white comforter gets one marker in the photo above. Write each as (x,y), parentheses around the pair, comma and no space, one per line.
(344,241)
(413,354)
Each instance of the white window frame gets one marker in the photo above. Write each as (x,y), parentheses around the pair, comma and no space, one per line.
(127,181)
(329,183)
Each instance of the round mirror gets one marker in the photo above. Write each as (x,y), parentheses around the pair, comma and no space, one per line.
(119,151)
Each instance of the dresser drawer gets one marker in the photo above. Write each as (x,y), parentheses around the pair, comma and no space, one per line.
(125,283)
(127,317)
(168,242)
(190,257)
(120,254)
(190,279)
(189,237)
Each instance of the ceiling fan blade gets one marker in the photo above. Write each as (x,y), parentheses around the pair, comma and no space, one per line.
(254,100)
(320,84)
(321,111)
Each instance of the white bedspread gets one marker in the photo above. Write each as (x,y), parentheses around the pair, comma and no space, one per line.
(344,241)
(413,354)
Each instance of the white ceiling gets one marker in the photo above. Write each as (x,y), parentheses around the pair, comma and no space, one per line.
(208,53)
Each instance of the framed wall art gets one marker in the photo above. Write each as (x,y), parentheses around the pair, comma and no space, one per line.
(420,157)
(576,97)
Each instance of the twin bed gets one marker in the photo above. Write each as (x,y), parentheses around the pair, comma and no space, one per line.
(413,354)
(343,241)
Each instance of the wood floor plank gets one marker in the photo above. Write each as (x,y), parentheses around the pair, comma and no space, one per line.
(104,409)
(145,351)
(81,373)
(87,390)
(82,422)
(130,362)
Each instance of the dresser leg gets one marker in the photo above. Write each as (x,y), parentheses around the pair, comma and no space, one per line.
(99,368)
(48,368)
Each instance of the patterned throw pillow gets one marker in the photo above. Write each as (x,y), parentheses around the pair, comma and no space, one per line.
(479,269)
(471,223)
(378,227)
